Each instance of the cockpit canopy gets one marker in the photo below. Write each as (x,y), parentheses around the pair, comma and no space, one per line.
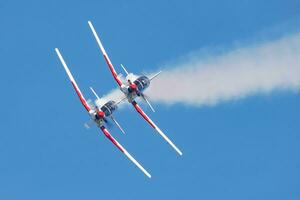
(109,108)
(142,83)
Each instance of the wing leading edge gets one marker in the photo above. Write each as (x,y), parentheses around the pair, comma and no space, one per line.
(143,114)
(110,65)
(123,150)
(78,92)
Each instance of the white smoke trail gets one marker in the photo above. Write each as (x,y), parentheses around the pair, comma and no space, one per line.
(258,69)
(114,95)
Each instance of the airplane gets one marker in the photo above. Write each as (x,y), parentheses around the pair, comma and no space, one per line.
(99,114)
(133,88)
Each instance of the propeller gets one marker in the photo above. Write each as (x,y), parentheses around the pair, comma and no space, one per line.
(133,87)
(116,122)
(108,122)
(145,98)
(88,124)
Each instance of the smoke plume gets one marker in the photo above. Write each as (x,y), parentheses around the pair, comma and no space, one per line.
(207,80)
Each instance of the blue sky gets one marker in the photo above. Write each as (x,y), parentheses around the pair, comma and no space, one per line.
(246,149)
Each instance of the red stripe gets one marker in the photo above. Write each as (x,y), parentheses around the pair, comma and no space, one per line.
(139,110)
(113,71)
(107,134)
(84,103)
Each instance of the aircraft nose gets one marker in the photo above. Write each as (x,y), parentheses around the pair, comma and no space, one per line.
(133,87)
(100,114)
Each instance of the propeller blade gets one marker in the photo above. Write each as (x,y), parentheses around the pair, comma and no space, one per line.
(118,125)
(124,69)
(108,123)
(155,75)
(94,93)
(147,101)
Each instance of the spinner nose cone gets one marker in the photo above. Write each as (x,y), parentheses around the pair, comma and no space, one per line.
(100,114)
(133,87)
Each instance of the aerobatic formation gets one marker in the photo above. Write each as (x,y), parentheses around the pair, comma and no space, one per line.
(101,111)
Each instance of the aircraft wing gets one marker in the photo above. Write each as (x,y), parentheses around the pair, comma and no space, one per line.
(143,114)
(78,92)
(110,65)
(123,150)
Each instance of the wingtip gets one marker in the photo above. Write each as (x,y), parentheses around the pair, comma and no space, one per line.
(178,151)
(90,24)
(148,174)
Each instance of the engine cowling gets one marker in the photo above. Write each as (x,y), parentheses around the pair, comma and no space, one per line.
(142,83)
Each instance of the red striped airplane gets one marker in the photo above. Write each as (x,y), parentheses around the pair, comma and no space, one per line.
(99,114)
(133,87)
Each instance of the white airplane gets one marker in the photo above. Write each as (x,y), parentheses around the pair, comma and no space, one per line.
(99,113)
(133,88)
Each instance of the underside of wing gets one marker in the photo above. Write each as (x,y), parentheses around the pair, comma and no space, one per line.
(123,150)
(143,114)
(110,65)
(78,92)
